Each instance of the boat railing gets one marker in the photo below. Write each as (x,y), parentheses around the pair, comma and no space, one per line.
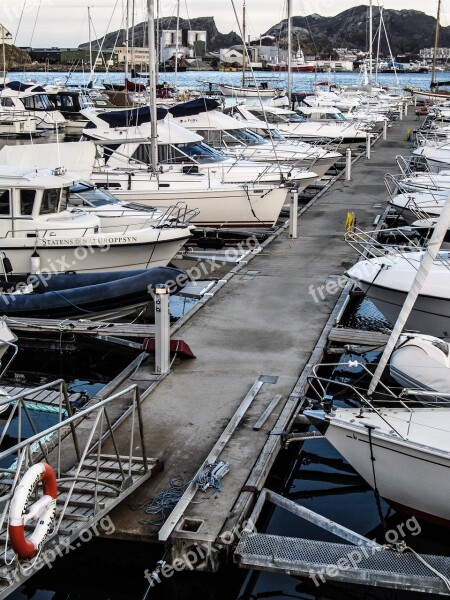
(51,233)
(319,386)
(177,215)
(70,450)
(387,242)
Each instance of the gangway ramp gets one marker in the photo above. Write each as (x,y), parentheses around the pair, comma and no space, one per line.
(357,561)
(94,471)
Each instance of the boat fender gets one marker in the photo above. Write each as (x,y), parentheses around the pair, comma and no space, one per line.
(35,263)
(43,510)
(6,264)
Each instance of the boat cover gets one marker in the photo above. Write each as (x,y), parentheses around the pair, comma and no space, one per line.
(194,107)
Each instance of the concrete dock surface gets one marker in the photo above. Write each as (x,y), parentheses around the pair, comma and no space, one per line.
(266,320)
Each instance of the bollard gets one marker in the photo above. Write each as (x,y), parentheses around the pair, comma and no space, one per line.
(406,109)
(385,129)
(348,164)
(162,329)
(368,140)
(415,101)
(401,114)
(293,214)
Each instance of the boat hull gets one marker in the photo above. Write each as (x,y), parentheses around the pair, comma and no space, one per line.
(217,208)
(405,475)
(95,253)
(430,315)
(73,294)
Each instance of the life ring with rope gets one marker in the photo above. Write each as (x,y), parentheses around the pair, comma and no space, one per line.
(43,510)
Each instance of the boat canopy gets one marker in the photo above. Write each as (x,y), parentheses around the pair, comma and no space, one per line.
(194,107)
(130,118)
(17,86)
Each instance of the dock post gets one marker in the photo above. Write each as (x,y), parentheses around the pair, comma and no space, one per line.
(401,114)
(293,215)
(385,129)
(348,164)
(406,108)
(368,140)
(162,329)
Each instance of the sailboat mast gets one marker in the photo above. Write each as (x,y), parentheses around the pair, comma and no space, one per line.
(4,56)
(127,41)
(370,41)
(90,41)
(177,44)
(133,55)
(289,57)
(436,44)
(244,46)
(152,84)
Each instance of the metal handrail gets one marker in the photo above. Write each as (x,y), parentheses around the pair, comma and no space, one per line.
(35,448)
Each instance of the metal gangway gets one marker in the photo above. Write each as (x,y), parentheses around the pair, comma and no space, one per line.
(94,470)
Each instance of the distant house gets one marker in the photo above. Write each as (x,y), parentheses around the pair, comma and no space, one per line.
(234,56)
(5,36)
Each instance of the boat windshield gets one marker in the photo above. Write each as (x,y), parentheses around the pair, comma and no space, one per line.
(37,102)
(200,152)
(50,201)
(247,137)
(86,195)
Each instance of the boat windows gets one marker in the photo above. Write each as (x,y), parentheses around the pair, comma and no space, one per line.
(4,202)
(37,102)
(50,201)
(6,102)
(200,152)
(27,202)
(248,137)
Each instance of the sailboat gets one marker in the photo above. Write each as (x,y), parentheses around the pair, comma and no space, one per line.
(245,90)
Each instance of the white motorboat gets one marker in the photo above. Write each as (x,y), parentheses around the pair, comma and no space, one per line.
(208,202)
(437,155)
(343,134)
(413,206)
(180,151)
(16,124)
(249,91)
(387,279)
(238,139)
(404,453)
(30,101)
(422,362)
(39,233)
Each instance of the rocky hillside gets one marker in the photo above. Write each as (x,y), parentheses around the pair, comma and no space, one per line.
(215,39)
(15,57)
(408,31)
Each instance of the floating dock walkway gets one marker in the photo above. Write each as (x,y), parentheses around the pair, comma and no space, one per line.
(255,338)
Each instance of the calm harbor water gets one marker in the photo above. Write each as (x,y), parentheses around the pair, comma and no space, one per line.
(313,474)
(200,79)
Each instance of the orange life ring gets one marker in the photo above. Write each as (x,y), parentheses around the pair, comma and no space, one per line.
(43,510)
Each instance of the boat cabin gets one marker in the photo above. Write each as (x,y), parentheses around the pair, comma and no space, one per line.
(34,203)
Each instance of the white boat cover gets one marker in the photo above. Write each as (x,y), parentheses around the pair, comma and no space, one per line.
(76,157)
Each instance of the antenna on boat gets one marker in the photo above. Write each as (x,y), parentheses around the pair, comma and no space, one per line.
(426,263)
(152,84)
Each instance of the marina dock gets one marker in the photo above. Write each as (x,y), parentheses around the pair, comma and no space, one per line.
(256,337)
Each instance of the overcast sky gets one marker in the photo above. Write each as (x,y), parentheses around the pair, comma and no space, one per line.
(45,23)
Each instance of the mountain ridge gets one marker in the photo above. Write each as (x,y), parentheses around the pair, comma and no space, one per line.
(408,30)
